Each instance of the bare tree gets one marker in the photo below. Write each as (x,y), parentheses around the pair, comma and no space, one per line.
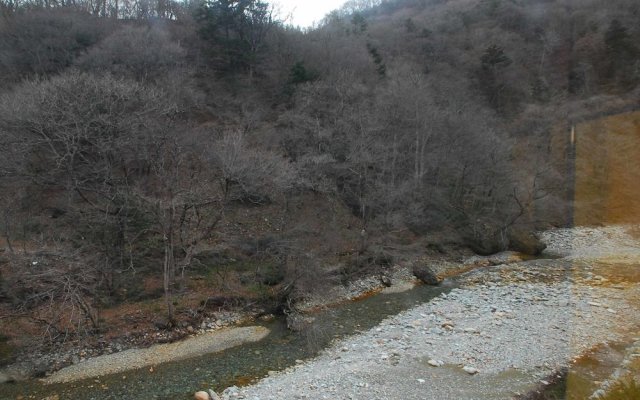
(42,42)
(76,138)
(56,292)
(181,199)
(256,174)
(142,53)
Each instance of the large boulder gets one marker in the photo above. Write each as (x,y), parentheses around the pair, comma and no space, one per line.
(484,240)
(525,242)
(425,274)
(485,245)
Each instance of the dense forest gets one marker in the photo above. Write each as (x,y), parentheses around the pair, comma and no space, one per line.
(175,151)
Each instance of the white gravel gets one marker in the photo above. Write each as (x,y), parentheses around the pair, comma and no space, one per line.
(513,324)
(619,241)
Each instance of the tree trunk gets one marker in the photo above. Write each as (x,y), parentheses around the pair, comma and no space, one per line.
(7,231)
(168,274)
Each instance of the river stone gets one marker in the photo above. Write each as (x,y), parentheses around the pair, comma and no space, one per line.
(201,396)
(489,242)
(231,393)
(470,370)
(435,363)
(425,274)
(213,395)
(448,325)
(4,378)
(525,242)
(386,280)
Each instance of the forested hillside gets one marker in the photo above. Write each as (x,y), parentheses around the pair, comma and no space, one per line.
(182,151)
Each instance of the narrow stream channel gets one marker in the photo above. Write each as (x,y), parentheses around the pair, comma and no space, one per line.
(584,376)
(581,379)
(237,366)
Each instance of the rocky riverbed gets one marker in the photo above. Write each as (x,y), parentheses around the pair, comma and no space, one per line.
(507,326)
(498,335)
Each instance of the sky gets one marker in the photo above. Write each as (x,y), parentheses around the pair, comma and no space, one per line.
(305,12)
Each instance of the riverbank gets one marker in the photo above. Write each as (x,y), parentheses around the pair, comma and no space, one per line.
(499,335)
(503,310)
(44,363)
(127,360)
(240,365)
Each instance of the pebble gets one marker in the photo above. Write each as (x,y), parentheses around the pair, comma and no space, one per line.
(470,370)
(201,395)
(447,325)
(435,363)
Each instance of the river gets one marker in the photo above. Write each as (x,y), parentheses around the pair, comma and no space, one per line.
(236,366)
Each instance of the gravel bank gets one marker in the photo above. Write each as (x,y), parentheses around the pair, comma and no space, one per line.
(139,358)
(403,279)
(619,242)
(510,326)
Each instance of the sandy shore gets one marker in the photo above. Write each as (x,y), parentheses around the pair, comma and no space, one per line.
(211,342)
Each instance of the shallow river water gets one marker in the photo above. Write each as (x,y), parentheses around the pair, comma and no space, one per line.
(237,366)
